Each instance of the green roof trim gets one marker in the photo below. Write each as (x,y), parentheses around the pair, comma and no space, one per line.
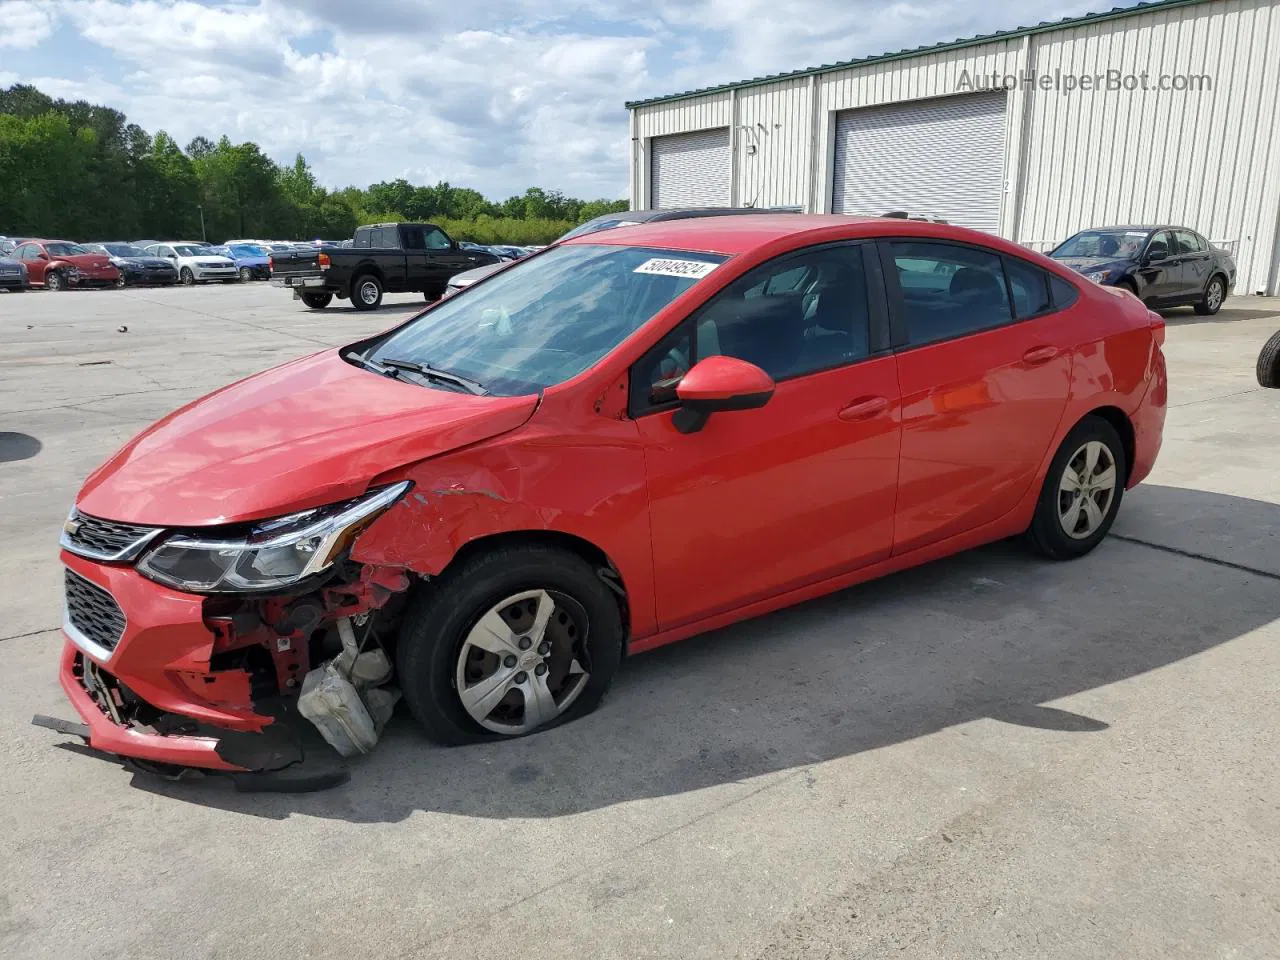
(1116,13)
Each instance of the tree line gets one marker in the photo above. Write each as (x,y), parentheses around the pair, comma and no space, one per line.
(80,171)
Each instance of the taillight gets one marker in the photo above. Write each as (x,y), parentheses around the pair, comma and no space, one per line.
(323,260)
(1157,327)
(271,264)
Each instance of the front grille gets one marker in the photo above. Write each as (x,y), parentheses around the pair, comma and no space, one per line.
(93,611)
(105,539)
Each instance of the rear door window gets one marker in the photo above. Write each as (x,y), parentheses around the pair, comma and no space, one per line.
(1030,288)
(949,290)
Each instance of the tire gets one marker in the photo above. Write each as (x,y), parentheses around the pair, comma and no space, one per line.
(245,274)
(122,281)
(1129,285)
(431,296)
(54,280)
(1269,363)
(186,277)
(1055,509)
(317,301)
(1215,292)
(435,653)
(366,292)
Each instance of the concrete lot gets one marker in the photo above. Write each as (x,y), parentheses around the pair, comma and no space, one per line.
(990,757)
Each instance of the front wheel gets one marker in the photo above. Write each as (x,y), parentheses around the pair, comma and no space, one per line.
(1269,362)
(1081,493)
(1214,295)
(187,277)
(511,641)
(54,280)
(121,281)
(245,274)
(317,301)
(366,292)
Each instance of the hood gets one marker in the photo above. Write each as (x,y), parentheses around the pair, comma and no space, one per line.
(468,277)
(87,260)
(1094,264)
(153,262)
(217,258)
(302,435)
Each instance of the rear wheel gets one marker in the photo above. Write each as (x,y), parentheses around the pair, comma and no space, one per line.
(511,641)
(366,292)
(317,301)
(1269,362)
(54,280)
(121,281)
(1081,493)
(1214,294)
(187,277)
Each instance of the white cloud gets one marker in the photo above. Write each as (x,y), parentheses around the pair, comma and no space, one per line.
(498,95)
(24,23)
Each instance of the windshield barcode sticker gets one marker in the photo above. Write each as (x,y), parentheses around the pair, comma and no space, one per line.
(694,269)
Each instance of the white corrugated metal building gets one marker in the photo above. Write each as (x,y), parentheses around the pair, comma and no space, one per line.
(984,132)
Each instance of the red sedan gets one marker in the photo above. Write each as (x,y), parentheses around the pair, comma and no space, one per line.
(620,442)
(60,265)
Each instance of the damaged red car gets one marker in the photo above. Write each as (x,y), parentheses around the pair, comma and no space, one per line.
(622,441)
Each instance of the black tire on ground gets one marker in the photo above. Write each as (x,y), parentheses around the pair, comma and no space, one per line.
(121,281)
(1215,292)
(54,280)
(317,301)
(1047,533)
(436,626)
(1269,362)
(245,274)
(366,292)
(431,296)
(187,278)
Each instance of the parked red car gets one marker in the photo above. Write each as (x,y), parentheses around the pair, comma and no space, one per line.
(625,440)
(60,265)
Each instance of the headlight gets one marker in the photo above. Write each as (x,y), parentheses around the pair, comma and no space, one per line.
(269,554)
(1102,276)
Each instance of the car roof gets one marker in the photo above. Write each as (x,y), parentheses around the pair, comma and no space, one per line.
(734,235)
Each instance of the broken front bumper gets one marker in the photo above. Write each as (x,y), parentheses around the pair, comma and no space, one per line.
(138,668)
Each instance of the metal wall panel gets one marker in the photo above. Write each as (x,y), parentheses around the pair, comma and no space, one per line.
(1206,159)
(773,144)
(943,156)
(690,170)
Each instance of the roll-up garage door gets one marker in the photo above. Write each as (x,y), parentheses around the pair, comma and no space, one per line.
(942,157)
(690,170)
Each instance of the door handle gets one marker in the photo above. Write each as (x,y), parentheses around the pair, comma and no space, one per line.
(1038,355)
(864,408)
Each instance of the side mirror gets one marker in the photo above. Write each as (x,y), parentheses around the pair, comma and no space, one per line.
(719,384)
(1156,254)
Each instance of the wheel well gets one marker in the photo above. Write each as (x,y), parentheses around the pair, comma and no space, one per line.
(365,268)
(1123,426)
(588,551)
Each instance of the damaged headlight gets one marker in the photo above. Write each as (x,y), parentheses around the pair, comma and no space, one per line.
(268,554)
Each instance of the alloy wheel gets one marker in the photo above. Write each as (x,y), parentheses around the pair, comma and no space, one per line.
(1213,298)
(369,292)
(1087,490)
(521,665)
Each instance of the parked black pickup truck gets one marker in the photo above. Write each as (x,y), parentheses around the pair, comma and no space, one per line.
(383,257)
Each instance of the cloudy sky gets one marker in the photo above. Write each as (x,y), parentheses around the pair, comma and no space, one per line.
(494,94)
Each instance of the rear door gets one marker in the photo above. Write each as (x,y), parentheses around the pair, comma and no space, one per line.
(31,254)
(984,374)
(759,502)
(390,257)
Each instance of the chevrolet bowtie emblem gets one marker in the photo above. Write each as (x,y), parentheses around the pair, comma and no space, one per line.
(71,527)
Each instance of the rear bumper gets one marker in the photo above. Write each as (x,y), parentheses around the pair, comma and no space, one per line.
(303,282)
(1148,422)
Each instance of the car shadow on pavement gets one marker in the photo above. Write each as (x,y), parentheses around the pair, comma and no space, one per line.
(1186,316)
(992,633)
(18,446)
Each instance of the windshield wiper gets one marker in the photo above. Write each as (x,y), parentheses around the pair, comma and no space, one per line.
(431,373)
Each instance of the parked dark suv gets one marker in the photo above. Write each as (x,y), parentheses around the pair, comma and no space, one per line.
(1163,266)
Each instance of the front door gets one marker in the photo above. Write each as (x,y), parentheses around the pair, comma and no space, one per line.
(761,501)
(1162,269)
(984,383)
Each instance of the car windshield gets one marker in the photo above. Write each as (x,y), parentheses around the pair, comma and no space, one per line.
(595,226)
(122,250)
(547,319)
(1115,244)
(65,249)
(185,250)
